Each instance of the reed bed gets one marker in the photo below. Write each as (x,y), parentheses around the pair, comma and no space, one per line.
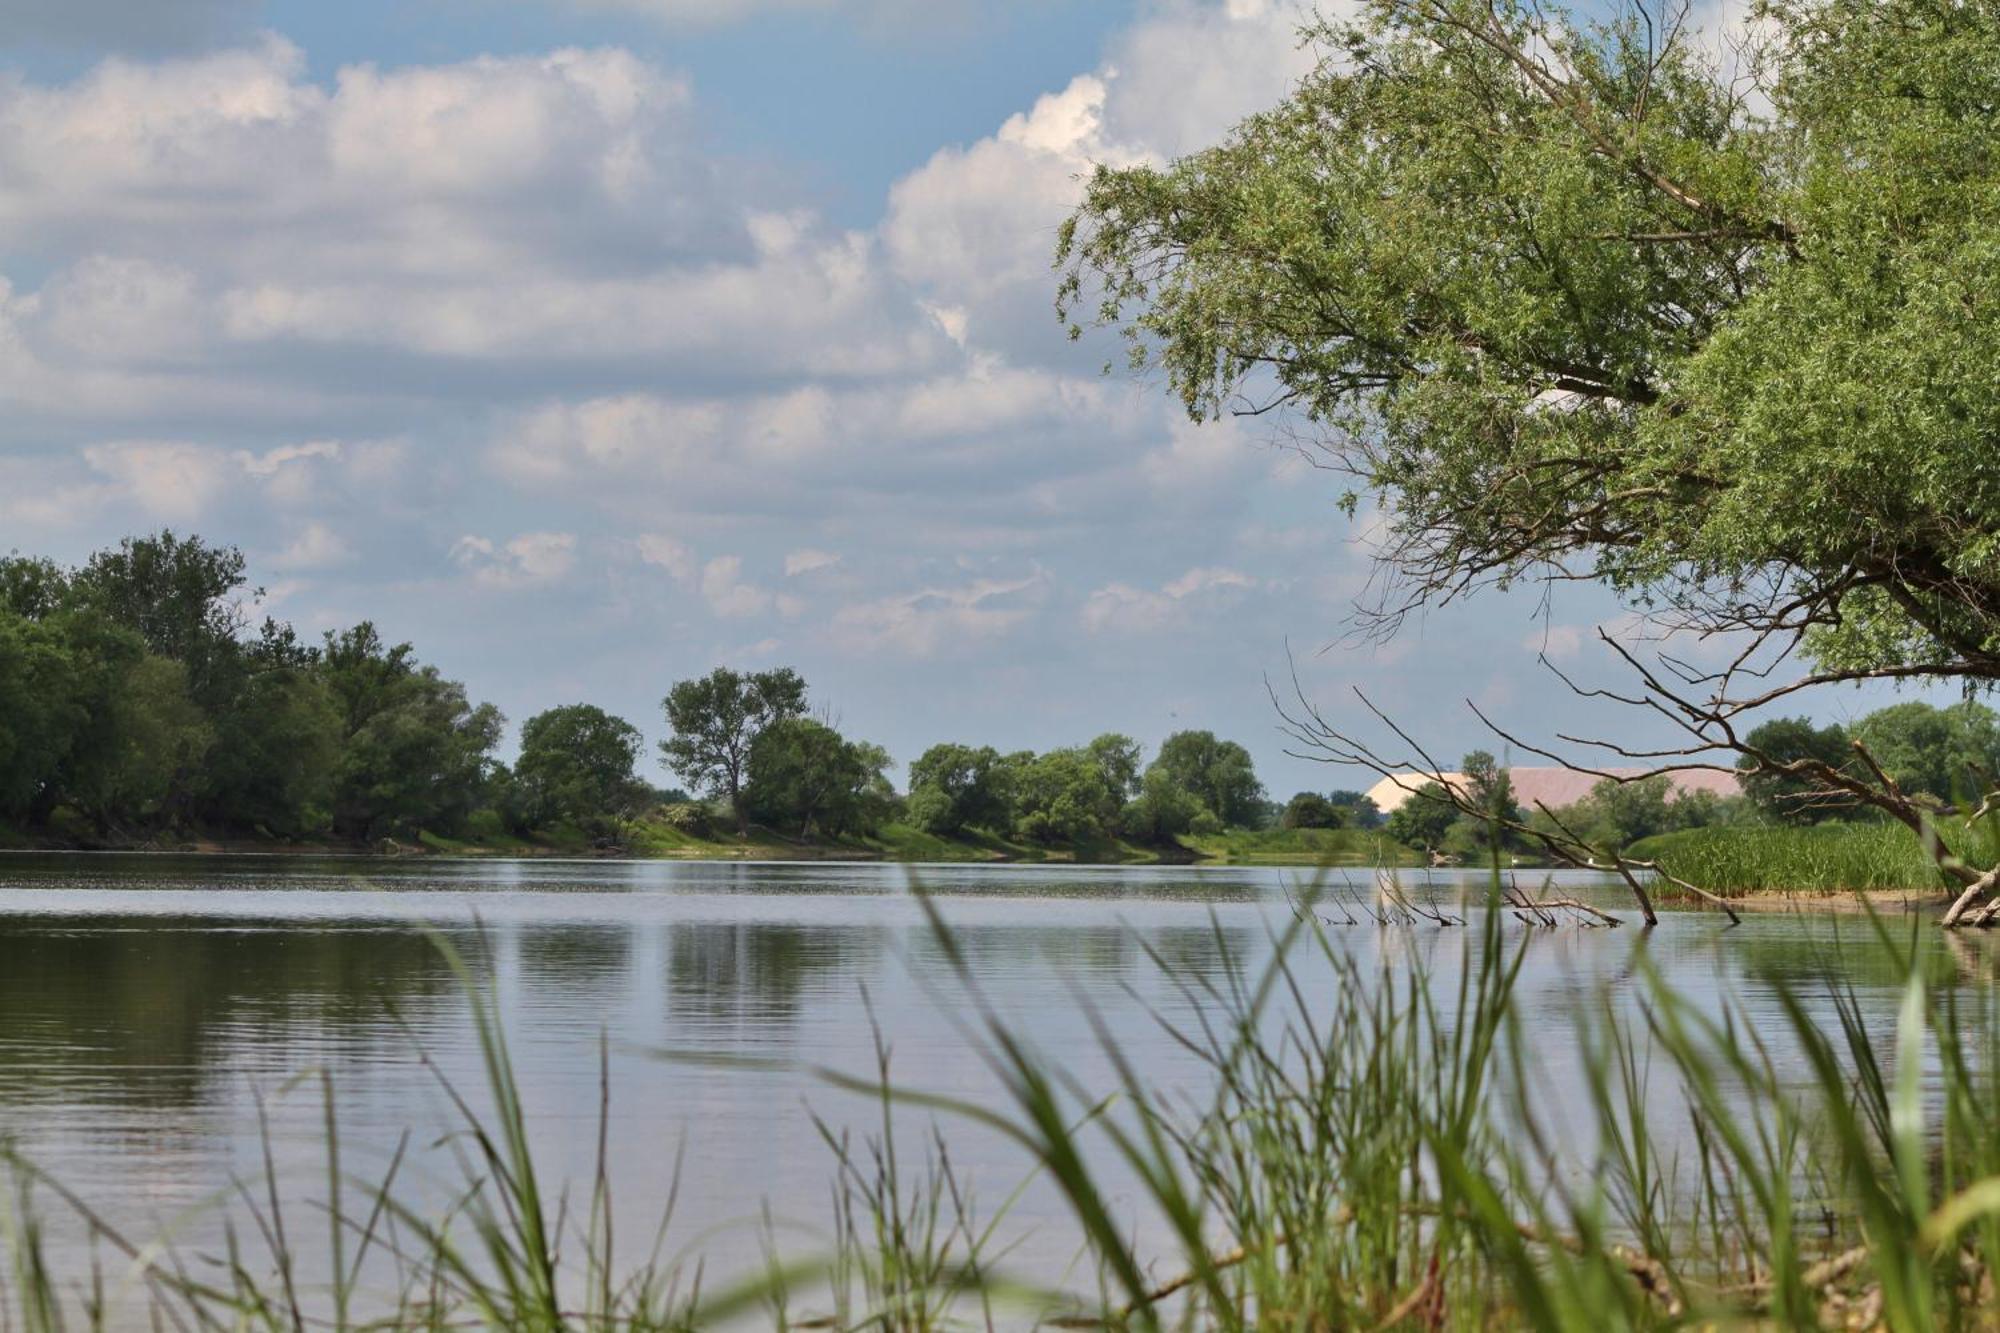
(1735,861)
(1374,1151)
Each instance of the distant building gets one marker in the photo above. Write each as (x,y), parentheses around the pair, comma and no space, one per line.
(1553,787)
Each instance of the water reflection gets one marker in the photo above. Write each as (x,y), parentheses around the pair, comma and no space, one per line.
(591,960)
(149,1008)
(143,1000)
(755,973)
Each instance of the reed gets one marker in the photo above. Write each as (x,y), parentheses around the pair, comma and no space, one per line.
(1818,859)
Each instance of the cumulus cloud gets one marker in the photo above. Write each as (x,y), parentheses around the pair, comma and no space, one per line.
(1558,643)
(924,622)
(529,560)
(203,221)
(1124,608)
(726,591)
(317,546)
(807,560)
(676,557)
(168,480)
(975,226)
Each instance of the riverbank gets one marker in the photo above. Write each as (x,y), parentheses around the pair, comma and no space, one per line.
(654,839)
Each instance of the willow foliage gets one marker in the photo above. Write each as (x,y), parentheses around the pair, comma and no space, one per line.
(1719,326)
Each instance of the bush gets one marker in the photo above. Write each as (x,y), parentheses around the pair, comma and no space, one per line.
(689,817)
(1310,810)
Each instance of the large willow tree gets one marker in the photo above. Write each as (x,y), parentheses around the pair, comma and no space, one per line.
(1716,324)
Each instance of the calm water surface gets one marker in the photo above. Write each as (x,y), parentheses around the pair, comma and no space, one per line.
(148,1004)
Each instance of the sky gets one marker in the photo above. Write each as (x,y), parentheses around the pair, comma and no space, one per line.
(590,344)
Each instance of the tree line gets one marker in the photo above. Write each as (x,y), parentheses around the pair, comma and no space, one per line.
(139,698)
(1934,755)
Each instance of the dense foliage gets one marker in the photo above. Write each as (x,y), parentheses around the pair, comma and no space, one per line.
(138,702)
(576,767)
(1932,753)
(134,699)
(718,718)
(1089,793)
(1566,295)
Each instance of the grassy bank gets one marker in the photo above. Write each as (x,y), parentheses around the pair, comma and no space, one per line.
(892,842)
(1819,859)
(1333,847)
(1376,1151)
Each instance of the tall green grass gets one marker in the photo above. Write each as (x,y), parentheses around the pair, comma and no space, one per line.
(1375,1150)
(1820,858)
(1343,846)
(1386,1156)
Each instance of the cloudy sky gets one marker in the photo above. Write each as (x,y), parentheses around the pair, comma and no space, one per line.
(591,343)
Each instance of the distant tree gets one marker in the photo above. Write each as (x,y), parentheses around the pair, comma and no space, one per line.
(1117,757)
(41,712)
(183,597)
(1361,810)
(161,737)
(806,778)
(958,787)
(1309,809)
(1062,796)
(98,761)
(717,718)
(1490,793)
(576,767)
(1942,752)
(1164,810)
(31,587)
(1423,819)
(276,753)
(1787,799)
(414,749)
(1218,773)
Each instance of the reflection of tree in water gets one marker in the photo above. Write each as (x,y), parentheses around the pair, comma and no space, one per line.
(1098,886)
(1109,949)
(1204,953)
(587,958)
(743,971)
(145,1008)
(1848,952)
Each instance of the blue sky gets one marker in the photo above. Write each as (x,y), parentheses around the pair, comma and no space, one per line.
(589,344)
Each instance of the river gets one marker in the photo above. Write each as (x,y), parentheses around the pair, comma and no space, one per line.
(151,1005)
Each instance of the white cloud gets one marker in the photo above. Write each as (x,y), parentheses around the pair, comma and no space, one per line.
(290,472)
(923,622)
(121,309)
(1200,461)
(727,593)
(1559,643)
(316,547)
(1123,608)
(168,480)
(273,461)
(807,560)
(677,558)
(226,215)
(974,228)
(531,559)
